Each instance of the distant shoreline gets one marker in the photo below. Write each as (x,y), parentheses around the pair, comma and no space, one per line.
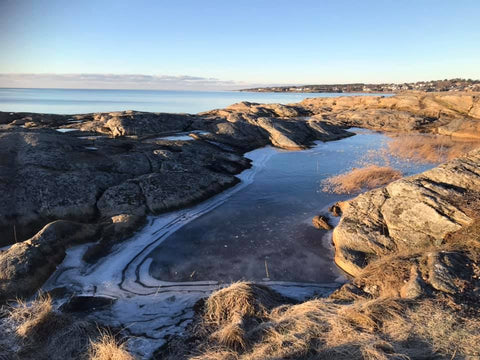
(387,88)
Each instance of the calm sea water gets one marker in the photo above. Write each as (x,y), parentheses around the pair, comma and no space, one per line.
(74,101)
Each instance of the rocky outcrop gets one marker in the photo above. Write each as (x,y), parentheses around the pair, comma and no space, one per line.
(80,175)
(247,125)
(28,264)
(461,128)
(321,222)
(111,169)
(160,192)
(412,111)
(46,175)
(137,123)
(408,215)
(108,170)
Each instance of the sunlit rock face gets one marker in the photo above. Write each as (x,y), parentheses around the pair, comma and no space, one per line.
(407,215)
(447,113)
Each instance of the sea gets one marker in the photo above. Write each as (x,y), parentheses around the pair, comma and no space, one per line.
(78,101)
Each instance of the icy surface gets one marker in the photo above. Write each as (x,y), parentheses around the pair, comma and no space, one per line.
(147,308)
(183,136)
(150,309)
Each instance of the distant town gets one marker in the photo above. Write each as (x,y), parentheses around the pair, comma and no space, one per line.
(428,86)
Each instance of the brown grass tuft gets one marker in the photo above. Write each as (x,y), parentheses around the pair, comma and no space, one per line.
(240,300)
(30,319)
(369,315)
(108,348)
(40,332)
(430,148)
(369,177)
(233,309)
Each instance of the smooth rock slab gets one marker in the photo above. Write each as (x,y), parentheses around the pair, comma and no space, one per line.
(407,215)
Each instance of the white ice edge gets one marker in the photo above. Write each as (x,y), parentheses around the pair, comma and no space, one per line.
(148,308)
(5,248)
(183,136)
(65,130)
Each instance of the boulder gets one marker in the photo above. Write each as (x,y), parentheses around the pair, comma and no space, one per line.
(335,210)
(321,222)
(137,123)
(407,215)
(25,266)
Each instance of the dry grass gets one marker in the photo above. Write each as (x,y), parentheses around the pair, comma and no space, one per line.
(386,276)
(443,328)
(32,319)
(232,309)
(429,148)
(358,179)
(108,348)
(40,332)
(381,328)
(240,299)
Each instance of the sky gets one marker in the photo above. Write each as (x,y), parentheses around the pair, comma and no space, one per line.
(230,44)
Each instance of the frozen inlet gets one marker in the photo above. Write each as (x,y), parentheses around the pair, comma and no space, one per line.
(179,257)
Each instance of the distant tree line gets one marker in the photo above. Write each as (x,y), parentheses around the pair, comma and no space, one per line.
(429,86)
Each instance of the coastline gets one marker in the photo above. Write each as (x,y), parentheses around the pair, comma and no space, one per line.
(123,275)
(130,197)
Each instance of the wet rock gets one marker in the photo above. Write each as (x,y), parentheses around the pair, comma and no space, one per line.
(335,210)
(321,222)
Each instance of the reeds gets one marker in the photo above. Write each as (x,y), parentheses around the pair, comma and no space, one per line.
(358,179)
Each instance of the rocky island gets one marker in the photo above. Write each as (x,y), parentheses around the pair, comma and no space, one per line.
(410,248)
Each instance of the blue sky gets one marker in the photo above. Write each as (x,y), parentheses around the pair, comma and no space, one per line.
(227,44)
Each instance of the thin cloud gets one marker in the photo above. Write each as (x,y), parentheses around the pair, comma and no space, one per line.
(118,81)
